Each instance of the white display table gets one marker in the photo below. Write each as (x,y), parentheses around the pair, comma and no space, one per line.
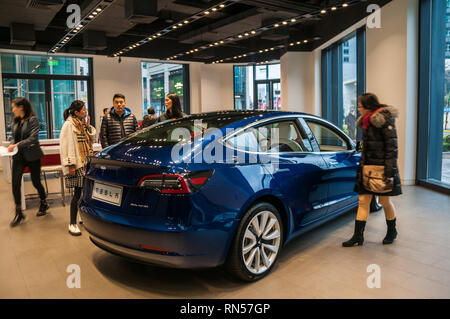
(48,147)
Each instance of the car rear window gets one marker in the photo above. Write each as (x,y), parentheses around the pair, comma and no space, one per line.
(169,133)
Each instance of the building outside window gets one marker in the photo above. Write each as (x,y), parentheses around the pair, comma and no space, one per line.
(50,83)
(257,87)
(445,175)
(349,95)
(160,79)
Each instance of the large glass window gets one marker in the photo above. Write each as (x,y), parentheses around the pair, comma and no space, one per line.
(257,87)
(343,80)
(160,79)
(433,160)
(50,83)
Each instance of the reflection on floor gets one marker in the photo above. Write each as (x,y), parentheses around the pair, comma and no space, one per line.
(35,256)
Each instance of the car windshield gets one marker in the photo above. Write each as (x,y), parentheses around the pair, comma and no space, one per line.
(169,133)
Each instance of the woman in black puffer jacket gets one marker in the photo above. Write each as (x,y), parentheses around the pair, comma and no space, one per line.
(379,142)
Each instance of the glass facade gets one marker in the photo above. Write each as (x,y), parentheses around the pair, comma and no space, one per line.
(349,94)
(445,175)
(49,83)
(160,79)
(257,87)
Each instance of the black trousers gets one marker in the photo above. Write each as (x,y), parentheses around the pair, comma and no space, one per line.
(17,173)
(74,204)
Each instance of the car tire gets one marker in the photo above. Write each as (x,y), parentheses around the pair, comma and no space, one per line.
(254,252)
(375,205)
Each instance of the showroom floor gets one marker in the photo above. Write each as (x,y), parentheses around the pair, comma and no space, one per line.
(35,256)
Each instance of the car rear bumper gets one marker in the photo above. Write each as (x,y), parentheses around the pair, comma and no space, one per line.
(186,249)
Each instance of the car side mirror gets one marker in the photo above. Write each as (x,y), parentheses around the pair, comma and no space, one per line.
(358,146)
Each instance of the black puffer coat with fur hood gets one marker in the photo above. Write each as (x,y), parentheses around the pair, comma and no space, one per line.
(379,147)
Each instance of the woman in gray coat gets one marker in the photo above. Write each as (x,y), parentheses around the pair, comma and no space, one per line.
(25,136)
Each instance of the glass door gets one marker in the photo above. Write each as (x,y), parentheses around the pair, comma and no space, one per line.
(276,95)
(34,91)
(263,97)
(64,92)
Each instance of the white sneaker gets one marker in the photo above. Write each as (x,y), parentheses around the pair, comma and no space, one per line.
(74,230)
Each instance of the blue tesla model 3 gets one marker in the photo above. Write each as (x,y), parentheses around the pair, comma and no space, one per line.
(228,187)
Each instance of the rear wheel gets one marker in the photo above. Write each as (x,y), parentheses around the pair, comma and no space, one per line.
(257,243)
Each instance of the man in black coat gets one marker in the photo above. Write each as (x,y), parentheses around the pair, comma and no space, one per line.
(119,123)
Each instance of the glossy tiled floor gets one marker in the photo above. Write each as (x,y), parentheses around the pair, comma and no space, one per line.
(34,258)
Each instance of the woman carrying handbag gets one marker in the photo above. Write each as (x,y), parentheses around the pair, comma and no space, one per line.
(377,171)
(76,139)
(25,136)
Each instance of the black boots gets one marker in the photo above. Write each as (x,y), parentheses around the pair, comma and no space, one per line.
(391,232)
(358,237)
(42,208)
(18,217)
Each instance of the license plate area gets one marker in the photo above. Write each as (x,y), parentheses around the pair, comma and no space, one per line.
(107,193)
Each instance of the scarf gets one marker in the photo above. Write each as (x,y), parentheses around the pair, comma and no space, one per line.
(84,142)
(366,119)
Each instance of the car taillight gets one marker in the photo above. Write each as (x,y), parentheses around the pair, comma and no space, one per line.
(182,183)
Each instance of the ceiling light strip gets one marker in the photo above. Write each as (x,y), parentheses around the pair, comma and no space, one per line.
(176,26)
(255,32)
(98,9)
(266,50)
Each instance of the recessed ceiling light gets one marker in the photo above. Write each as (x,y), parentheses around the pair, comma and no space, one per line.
(174,27)
(266,50)
(333,8)
(91,16)
(276,25)
(149,39)
(246,33)
(285,22)
(206,12)
(271,49)
(293,20)
(235,57)
(159,34)
(186,21)
(94,13)
(214,9)
(306,41)
(221,42)
(240,36)
(253,32)
(298,42)
(180,24)
(99,9)
(260,51)
(196,50)
(216,43)
(323,11)
(222,5)
(345,5)
(291,44)
(244,55)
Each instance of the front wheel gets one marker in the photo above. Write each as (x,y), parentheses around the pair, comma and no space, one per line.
(257,243)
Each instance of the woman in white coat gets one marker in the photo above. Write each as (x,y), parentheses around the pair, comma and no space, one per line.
(76,139)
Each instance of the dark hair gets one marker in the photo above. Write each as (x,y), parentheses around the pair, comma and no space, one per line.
(105,109)
(175,111)
(370,101)
(118,96)
(151,110)
(26,105)
(76,105)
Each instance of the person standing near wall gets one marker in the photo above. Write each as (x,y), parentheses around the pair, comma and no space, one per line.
(149,119)
(173,108)
(76,139)
(119,123)
(379,140)
(25,134)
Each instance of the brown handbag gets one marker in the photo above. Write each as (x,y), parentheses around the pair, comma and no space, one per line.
(374,180)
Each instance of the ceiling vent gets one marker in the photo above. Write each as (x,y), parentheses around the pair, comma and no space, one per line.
(141,11)
(22,34)
(94,40)
(45,4)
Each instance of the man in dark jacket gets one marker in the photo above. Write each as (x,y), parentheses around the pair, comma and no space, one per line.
(118,124)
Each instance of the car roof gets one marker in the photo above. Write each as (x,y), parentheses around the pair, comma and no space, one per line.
(244,114)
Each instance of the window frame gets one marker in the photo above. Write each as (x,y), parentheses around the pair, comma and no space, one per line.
(48,91)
